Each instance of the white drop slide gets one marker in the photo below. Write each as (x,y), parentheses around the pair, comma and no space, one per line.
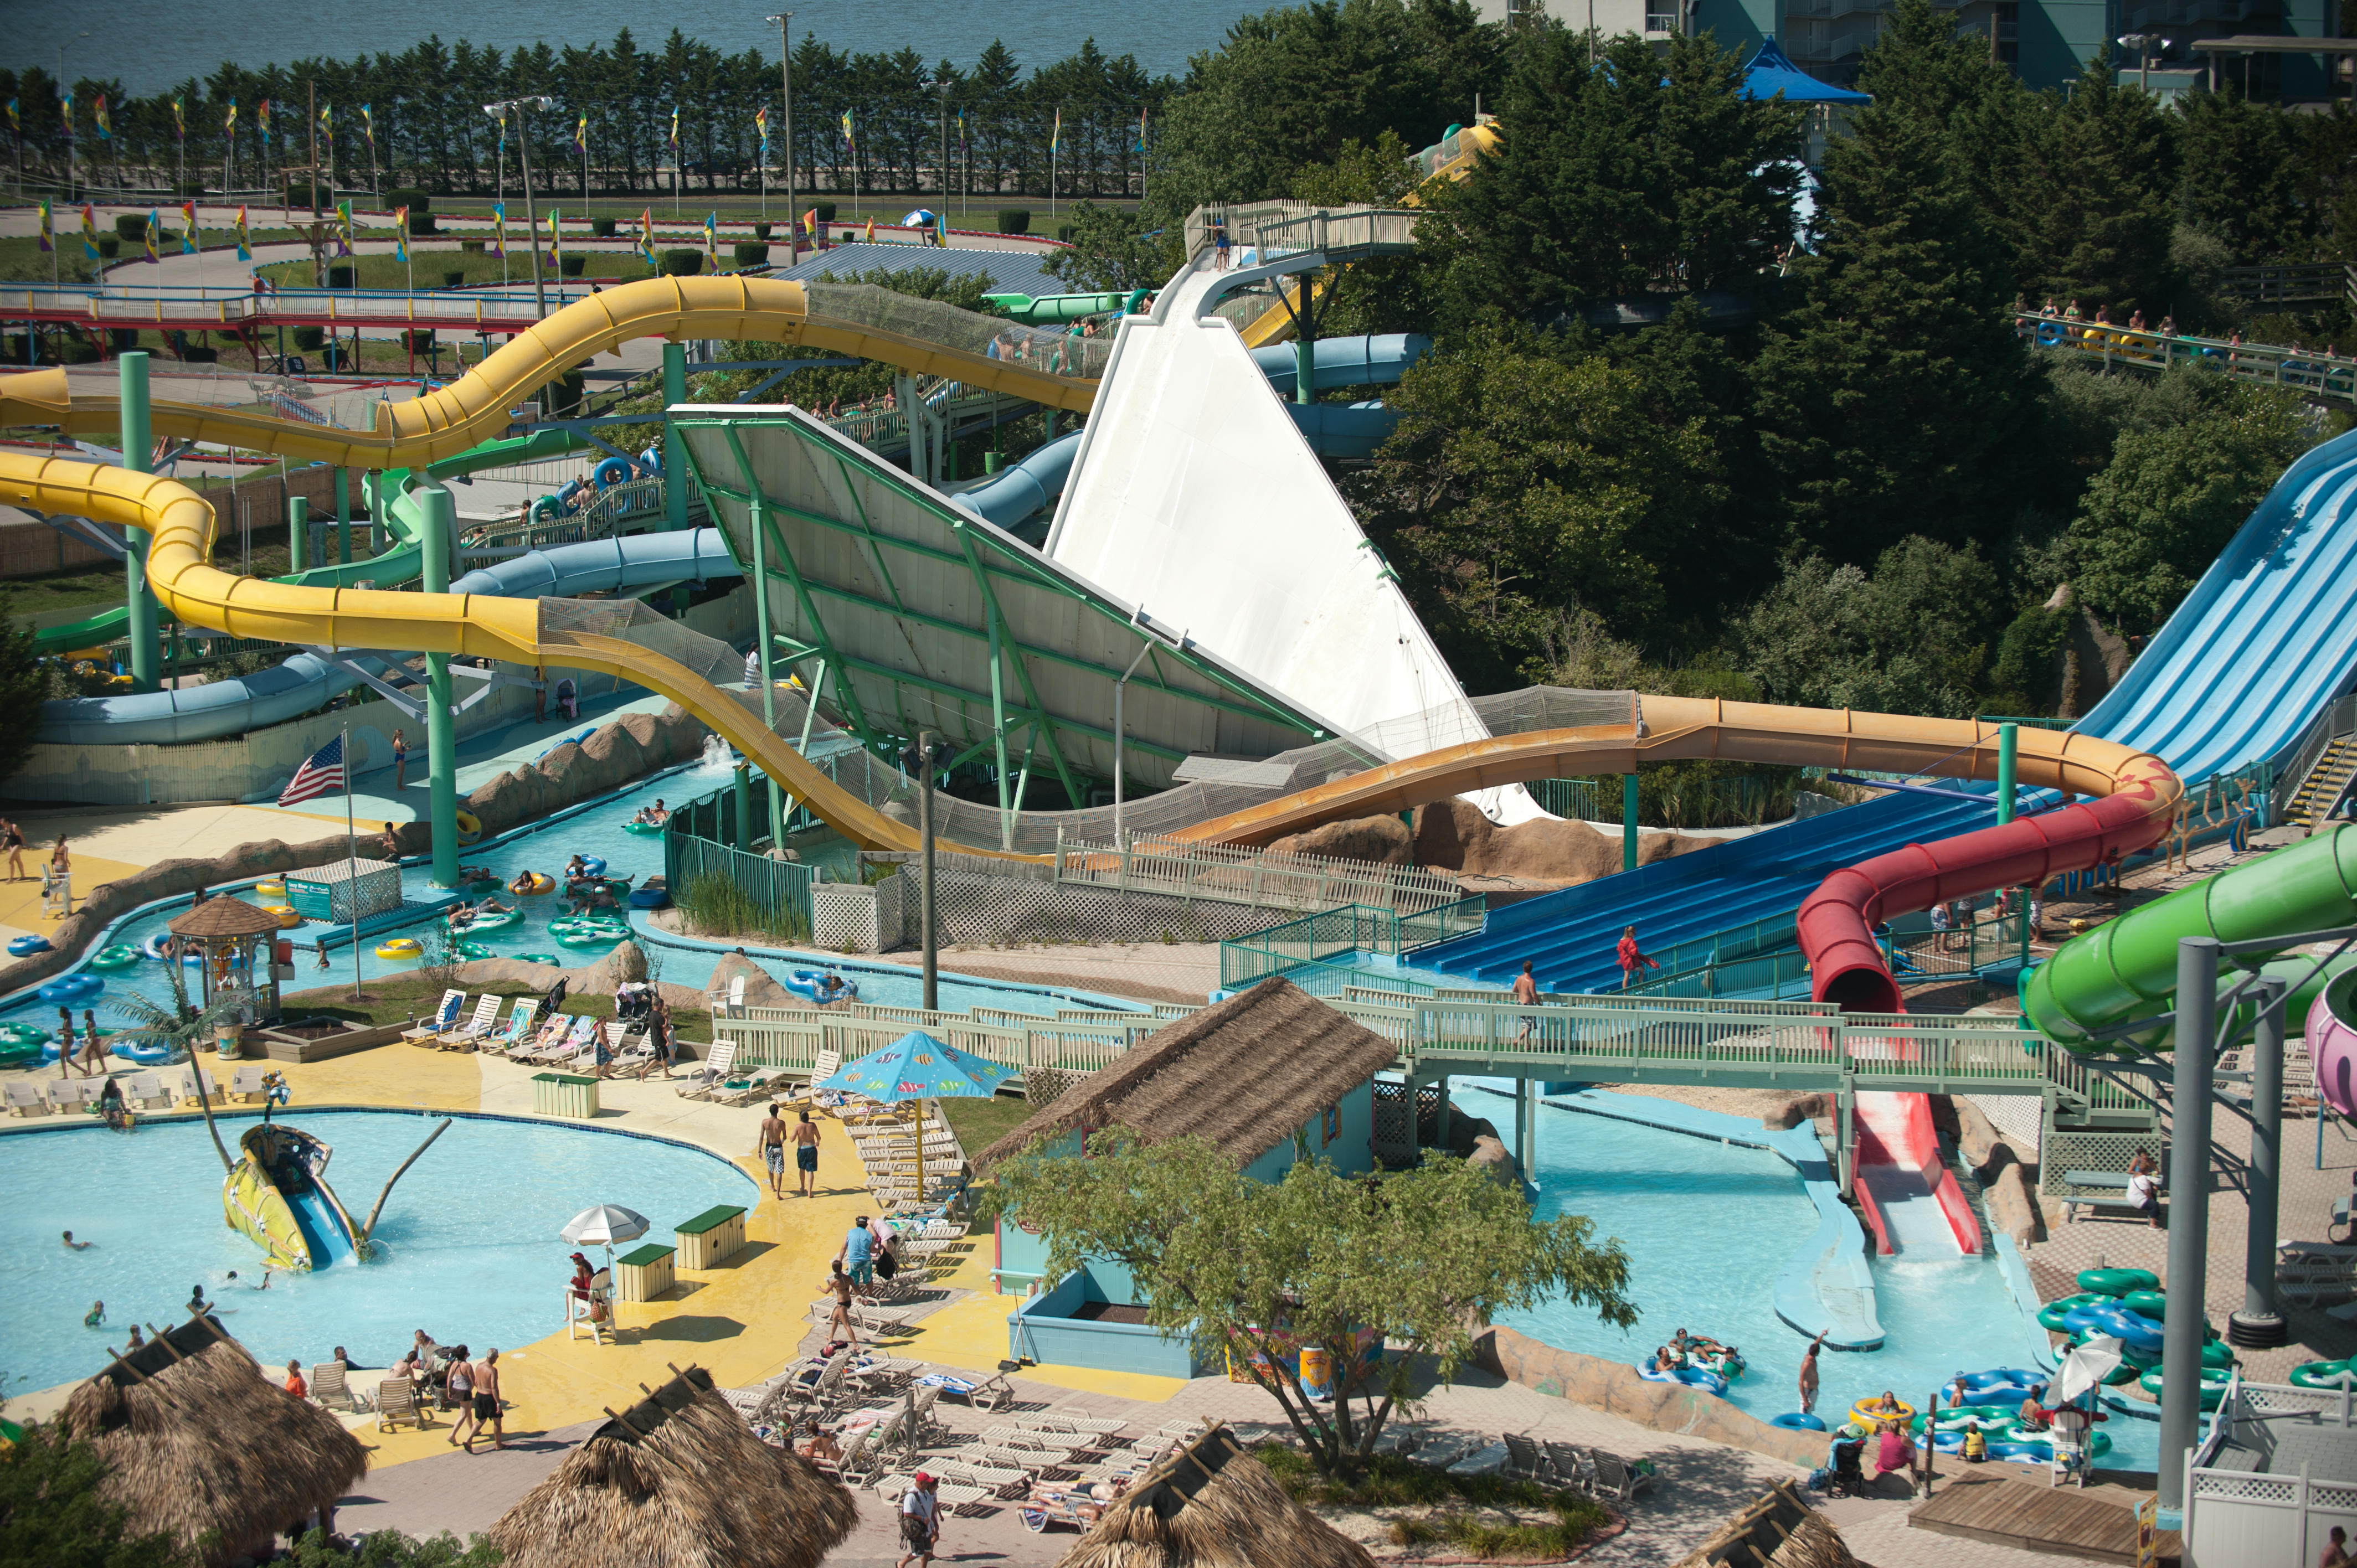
(1196,497)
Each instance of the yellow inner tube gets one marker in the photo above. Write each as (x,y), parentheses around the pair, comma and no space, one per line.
(288,918)
(399,946)
(1869,1414)
(540,883)
(470,827)
(270,889)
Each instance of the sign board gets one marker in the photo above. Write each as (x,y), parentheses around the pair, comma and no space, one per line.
(2148,1532)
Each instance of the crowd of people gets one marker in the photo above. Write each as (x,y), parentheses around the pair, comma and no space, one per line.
(449,1378)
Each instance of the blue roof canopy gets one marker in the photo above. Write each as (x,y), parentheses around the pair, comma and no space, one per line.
(1772,72)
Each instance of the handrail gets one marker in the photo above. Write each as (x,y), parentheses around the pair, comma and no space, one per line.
(2304,370)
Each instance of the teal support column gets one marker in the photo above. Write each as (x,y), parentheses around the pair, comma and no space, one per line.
(439,516)
(2008,751)
(298,532)
(674,453)
(767,647)
(344,516)
(745,807)
(1628,821)
(1305,350)
(139,599)
(378,490)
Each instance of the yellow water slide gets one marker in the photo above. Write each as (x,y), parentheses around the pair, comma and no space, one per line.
(475,408)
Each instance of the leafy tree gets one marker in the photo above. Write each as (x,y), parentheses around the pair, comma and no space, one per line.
(1516,483)
(52,1514)
(390,1549)
(1253,1269)
(24,687)
(2103,175)
(2242,174)
(1638,173)
(1112,250)
(1887,401)
(1912,638)
(2172,497)
(1387,294)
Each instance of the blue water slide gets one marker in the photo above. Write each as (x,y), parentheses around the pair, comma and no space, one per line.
(1374,360)
(1343,430)
(1571,936)
(635,563)
(1028,488)
(2265,641)
(323,1228)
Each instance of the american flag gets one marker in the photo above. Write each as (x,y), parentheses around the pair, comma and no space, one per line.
(322,772)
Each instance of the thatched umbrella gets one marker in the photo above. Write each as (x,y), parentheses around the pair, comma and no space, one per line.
(200,1445)
(1211,1505)
(678,1481)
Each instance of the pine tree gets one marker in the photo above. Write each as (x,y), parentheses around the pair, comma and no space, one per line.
(2103,179)
(1888,400)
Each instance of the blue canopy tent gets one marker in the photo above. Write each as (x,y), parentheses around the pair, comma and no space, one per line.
(1771,73)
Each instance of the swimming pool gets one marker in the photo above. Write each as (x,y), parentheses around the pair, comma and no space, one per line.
(470,1236)
(1708,1226)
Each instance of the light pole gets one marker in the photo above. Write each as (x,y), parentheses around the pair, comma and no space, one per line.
(942,85)
(786,76)
(523,107)
(2144,42)
(63,94)
(919,760)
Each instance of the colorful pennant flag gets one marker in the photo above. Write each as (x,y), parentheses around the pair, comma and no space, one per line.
(581,134)
(261,125)
(105,127)
(556,239)
(154,227)
(368,127)
(810,222)
(1056,131)
(647,236)
(344,232)
(328,130)
(65,107)
(244,238)
(503,136)
(871,231)
(89,231)
(229,124)
(499,228)
(16,120)
(1141,130)
(761,126)
(179,119)
(848,139)
(191,238)
(712,239)
(49,233)
(401,234)
(675,128)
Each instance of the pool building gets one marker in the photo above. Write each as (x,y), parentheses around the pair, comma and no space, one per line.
(1269,1077)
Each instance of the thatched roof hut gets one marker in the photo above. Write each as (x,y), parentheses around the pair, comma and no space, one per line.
(1211,1505)
(1243,1074)
(678,1481)
(200,1444)
(224,917)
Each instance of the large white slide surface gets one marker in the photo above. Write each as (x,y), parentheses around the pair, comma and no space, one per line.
(1197,499)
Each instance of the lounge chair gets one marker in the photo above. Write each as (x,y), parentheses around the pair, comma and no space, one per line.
(245,1084)
(700,1082)
(1570,1466)
(25,1099)
(67,1094)
(553,1034)
(332,1387)
(516,1035)
(1001,1481)
(396,1406)
(982,1393)
(1086,1426)
(147,1091)
(445,1016)
(949,1494)
(1617,1480)
(1524,1460)
(759,1086)
(635,1058)
(865,1316)
(826,1066)
(469,1035)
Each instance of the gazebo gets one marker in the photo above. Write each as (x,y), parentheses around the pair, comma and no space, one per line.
(199,1445)
(677,1480)
(238,942)
(1211,1505)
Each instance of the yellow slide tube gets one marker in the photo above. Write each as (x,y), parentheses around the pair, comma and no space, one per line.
(474,408)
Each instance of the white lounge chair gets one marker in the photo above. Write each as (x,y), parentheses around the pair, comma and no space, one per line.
(468,1036)
(245,1084)
(517,1034)
(71,1093)
(445,1016)
(146,1090)
(714,1072)
(25,1098)
(826,1066)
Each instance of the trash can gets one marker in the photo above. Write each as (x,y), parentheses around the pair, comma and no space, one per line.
(563,1095)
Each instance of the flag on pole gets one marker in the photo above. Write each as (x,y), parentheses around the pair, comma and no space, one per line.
(368,127)
(105,129)
(327,133)
(65,107)
(675,128)
(499,228)
(229,124)
(961,128)
(344,234)
(871,231)
(761,126)
(89,231)
(49,233)
(179,119)
(581,134)
(712,239)
(1055,130)
(244,238)
(154,225)
(192,240)
(261,125)
(556,239)
(503,136)
(1141,130)
(810,222)
(848,139)
(647,236)
(323,771)
(16,120)
(401,234)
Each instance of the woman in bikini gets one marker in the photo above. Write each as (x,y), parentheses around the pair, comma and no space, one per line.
(12,838)
(839,1284)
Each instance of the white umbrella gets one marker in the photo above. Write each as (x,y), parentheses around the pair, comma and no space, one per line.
(606,1224)
(2084,1368)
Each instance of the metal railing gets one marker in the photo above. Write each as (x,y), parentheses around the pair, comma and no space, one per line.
(1331,933)
(2291,282)
(1225,874)
(2319,375)
(705,837)
(2338,719)
(1279,227)
(792,1038)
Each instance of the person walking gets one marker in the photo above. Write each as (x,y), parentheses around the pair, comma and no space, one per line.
(1526,992)
(773,1150)
(487,1402)
(94,1047)
(839,1284)
(920,1522)
(1631,957)
(66,1043)
(856,1257)
(459,1390)
(1809,1373)
(12,838)
(400,762)
(806,1154)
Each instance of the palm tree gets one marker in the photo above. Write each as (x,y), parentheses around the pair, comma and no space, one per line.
(178,1028)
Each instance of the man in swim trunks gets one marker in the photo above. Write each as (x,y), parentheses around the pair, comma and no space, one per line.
(487,1402)
(1809,1374)
(806,1154)
(1526,989)
(773,1150)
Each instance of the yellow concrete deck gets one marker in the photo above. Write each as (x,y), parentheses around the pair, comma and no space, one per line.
(20,902)
(742,1321)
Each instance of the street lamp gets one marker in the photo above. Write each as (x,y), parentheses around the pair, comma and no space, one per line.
(918,761)
(62,93)
(786,75)
(942,85)
(2144,43)
(523,107)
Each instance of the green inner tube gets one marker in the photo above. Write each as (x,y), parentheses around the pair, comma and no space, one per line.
(535,958)
(2149,1304)
(2322,1374)
(590,939)
(1994,1418)
(2117,1281)
(2053,1312)
(23,1035)
(473,950)
(2213,1384)
(122,955)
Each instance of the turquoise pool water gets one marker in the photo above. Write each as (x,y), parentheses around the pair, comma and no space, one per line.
(546,847)
(471,1250)
(1708,1226)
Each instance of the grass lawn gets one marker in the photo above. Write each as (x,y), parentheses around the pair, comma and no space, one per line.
(93,587)
(395,999)
(981,1123)
(431,269)
(22,260)
(1442,1505)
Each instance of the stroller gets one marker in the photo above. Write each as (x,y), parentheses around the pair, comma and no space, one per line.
(1845,1477)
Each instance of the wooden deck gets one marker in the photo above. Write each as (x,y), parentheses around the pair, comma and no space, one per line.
(2060,1520)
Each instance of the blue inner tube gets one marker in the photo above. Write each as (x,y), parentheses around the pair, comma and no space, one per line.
(154,946)
(593,865)
(1798,1420)
(144,1055)
(2049,333)
(1693,1377)
(610,473)
(72,988)
(649,897)
(23,947)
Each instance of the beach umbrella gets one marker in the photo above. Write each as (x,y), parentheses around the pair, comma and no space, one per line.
(603,1225)
(2084,1368)
(917,1066)
(921,219)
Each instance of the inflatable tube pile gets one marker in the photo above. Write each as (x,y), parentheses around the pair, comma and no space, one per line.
(2318,1375)
(2117,1282)
(1693,1377)
(2214,1381)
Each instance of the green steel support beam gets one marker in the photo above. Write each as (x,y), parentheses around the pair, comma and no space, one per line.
(138,447)
(674,386)
(298,533)
(998,733)
(440,517)
(1628,821)
(866,530)
(344,516)
(768,655)
(990,600)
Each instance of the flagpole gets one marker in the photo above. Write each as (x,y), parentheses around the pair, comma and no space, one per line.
(351,854)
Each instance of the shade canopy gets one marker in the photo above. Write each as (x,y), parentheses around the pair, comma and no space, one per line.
(1772,72)
(919,1066)
(224,917)
(2084,1368)
(605,1225)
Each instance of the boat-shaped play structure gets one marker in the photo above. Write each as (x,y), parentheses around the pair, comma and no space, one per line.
(277,1193)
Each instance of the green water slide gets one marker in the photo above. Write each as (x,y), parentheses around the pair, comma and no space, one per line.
(397,564)
(1047,311)
(2127,968)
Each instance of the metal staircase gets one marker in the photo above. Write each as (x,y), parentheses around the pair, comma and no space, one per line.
(2325,784)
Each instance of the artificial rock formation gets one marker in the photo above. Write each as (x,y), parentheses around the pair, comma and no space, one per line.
(1612,1386)
(1384,840)
(1450,835)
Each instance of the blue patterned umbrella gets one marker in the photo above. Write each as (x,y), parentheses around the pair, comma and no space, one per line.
(919,1066)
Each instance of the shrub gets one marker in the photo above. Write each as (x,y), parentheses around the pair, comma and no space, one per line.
(308,195)
(122,338)
(132,226)
(418,340)
(343,277)
(308,339)
(453,280)
(475,246)
(573,265)
(200,354)
(602,227)
(683,263)
(415,200)
(1064,233)
(193,189)
(825,211)
(752,253)
(1015,220)
(762,231)
(109,248)
(74,350)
